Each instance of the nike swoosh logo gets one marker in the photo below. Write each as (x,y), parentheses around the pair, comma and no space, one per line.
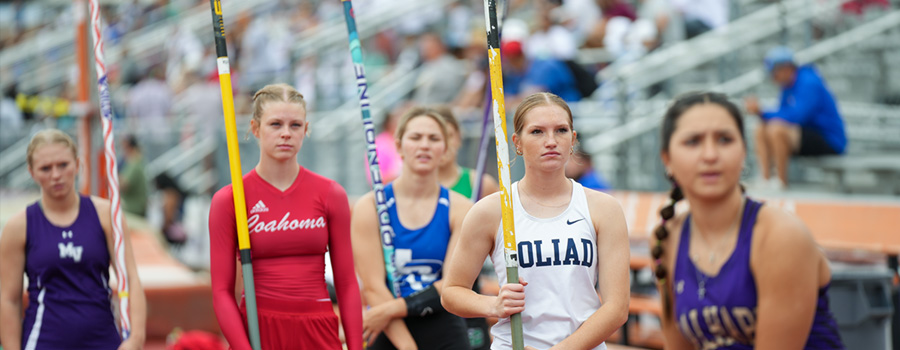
(570,222)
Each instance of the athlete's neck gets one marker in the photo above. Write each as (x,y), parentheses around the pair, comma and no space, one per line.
(60,204)
(411,184)
(281,175)
(541,186)
(448,174)
(714,217)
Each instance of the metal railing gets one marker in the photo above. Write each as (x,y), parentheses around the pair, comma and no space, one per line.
(651,116)
(684,56)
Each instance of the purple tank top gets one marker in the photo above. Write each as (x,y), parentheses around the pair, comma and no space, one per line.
(719,312)
(68,273)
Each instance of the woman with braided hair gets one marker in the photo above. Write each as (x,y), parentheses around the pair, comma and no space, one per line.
(722,265)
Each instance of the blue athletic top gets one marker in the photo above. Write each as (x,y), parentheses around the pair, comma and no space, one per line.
(69,305)
(419,253)
(722,313)
(809,104)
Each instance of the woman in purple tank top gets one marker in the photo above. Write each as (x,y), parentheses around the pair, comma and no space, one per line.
(733,273)
(63,242)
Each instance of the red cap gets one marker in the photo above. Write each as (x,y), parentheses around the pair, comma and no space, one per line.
(511,48)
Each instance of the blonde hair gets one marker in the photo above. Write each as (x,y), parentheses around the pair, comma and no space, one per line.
(420,112)
(49,136)
(275,93)
(537,100)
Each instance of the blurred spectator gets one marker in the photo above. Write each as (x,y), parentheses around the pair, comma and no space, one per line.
(807,122)
(201,103)
(128,68)
(459,16)
(11,118)
(669,26)
(149,103)
(581,168)
(701,16)
(133,184)
(550,40)
(611,10)
(581,17)
(184,53)
(617,8)
(858,7)
(442,76)
(522,77)
(172,208)
(266,51)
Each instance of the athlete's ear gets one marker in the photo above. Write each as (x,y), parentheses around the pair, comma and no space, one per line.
(664,156)
(515,140)
(307,127)
(254,128)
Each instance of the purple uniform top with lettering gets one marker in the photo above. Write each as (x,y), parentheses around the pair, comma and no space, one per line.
(68,273)
(719,312)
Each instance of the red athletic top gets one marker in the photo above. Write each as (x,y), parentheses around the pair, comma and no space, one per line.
(290,232)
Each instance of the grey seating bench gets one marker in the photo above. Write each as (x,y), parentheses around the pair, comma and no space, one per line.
(885,167)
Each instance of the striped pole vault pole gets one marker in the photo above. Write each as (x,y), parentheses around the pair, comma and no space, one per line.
(384,219)
(237,180)
(499,111)
(112,173)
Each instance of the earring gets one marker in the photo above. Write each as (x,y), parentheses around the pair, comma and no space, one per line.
(518,151)
(572,150)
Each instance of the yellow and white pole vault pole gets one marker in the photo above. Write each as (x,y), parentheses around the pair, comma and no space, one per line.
(237,180)
(499,112)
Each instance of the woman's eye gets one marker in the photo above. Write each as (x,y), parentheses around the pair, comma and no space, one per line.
(536,131)
(692,141)
(562,130)
(726,140)
(275,124)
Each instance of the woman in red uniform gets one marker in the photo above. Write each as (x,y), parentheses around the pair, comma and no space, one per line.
(294,217)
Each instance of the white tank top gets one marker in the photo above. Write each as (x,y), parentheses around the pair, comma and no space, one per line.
(557,257)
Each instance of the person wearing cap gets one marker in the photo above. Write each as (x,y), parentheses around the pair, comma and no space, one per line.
(806,123)
(523,76)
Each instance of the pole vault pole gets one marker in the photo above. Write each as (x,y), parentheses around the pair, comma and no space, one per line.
(237,181)
(112,174)
(384,219)
(486,123)
(482,146)
(499,111)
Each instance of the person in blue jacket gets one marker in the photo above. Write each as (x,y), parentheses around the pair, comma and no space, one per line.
(806,123)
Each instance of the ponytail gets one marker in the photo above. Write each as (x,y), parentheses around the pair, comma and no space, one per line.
(661,234)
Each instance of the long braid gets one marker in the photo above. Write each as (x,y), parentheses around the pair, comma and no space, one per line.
(662,233)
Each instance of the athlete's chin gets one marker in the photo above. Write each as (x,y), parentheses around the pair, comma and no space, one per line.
(706,191)
(283,156)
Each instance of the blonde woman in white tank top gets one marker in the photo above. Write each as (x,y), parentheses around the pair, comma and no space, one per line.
(569,238)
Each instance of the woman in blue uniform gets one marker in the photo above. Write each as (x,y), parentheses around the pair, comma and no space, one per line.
(64,243)
(424,216)
(733,273)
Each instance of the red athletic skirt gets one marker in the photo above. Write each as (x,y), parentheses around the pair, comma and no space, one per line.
(300,325)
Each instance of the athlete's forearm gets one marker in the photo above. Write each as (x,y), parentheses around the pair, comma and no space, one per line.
(464,302)
(11,331)
(138,304)
(597,328)
(400,336)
